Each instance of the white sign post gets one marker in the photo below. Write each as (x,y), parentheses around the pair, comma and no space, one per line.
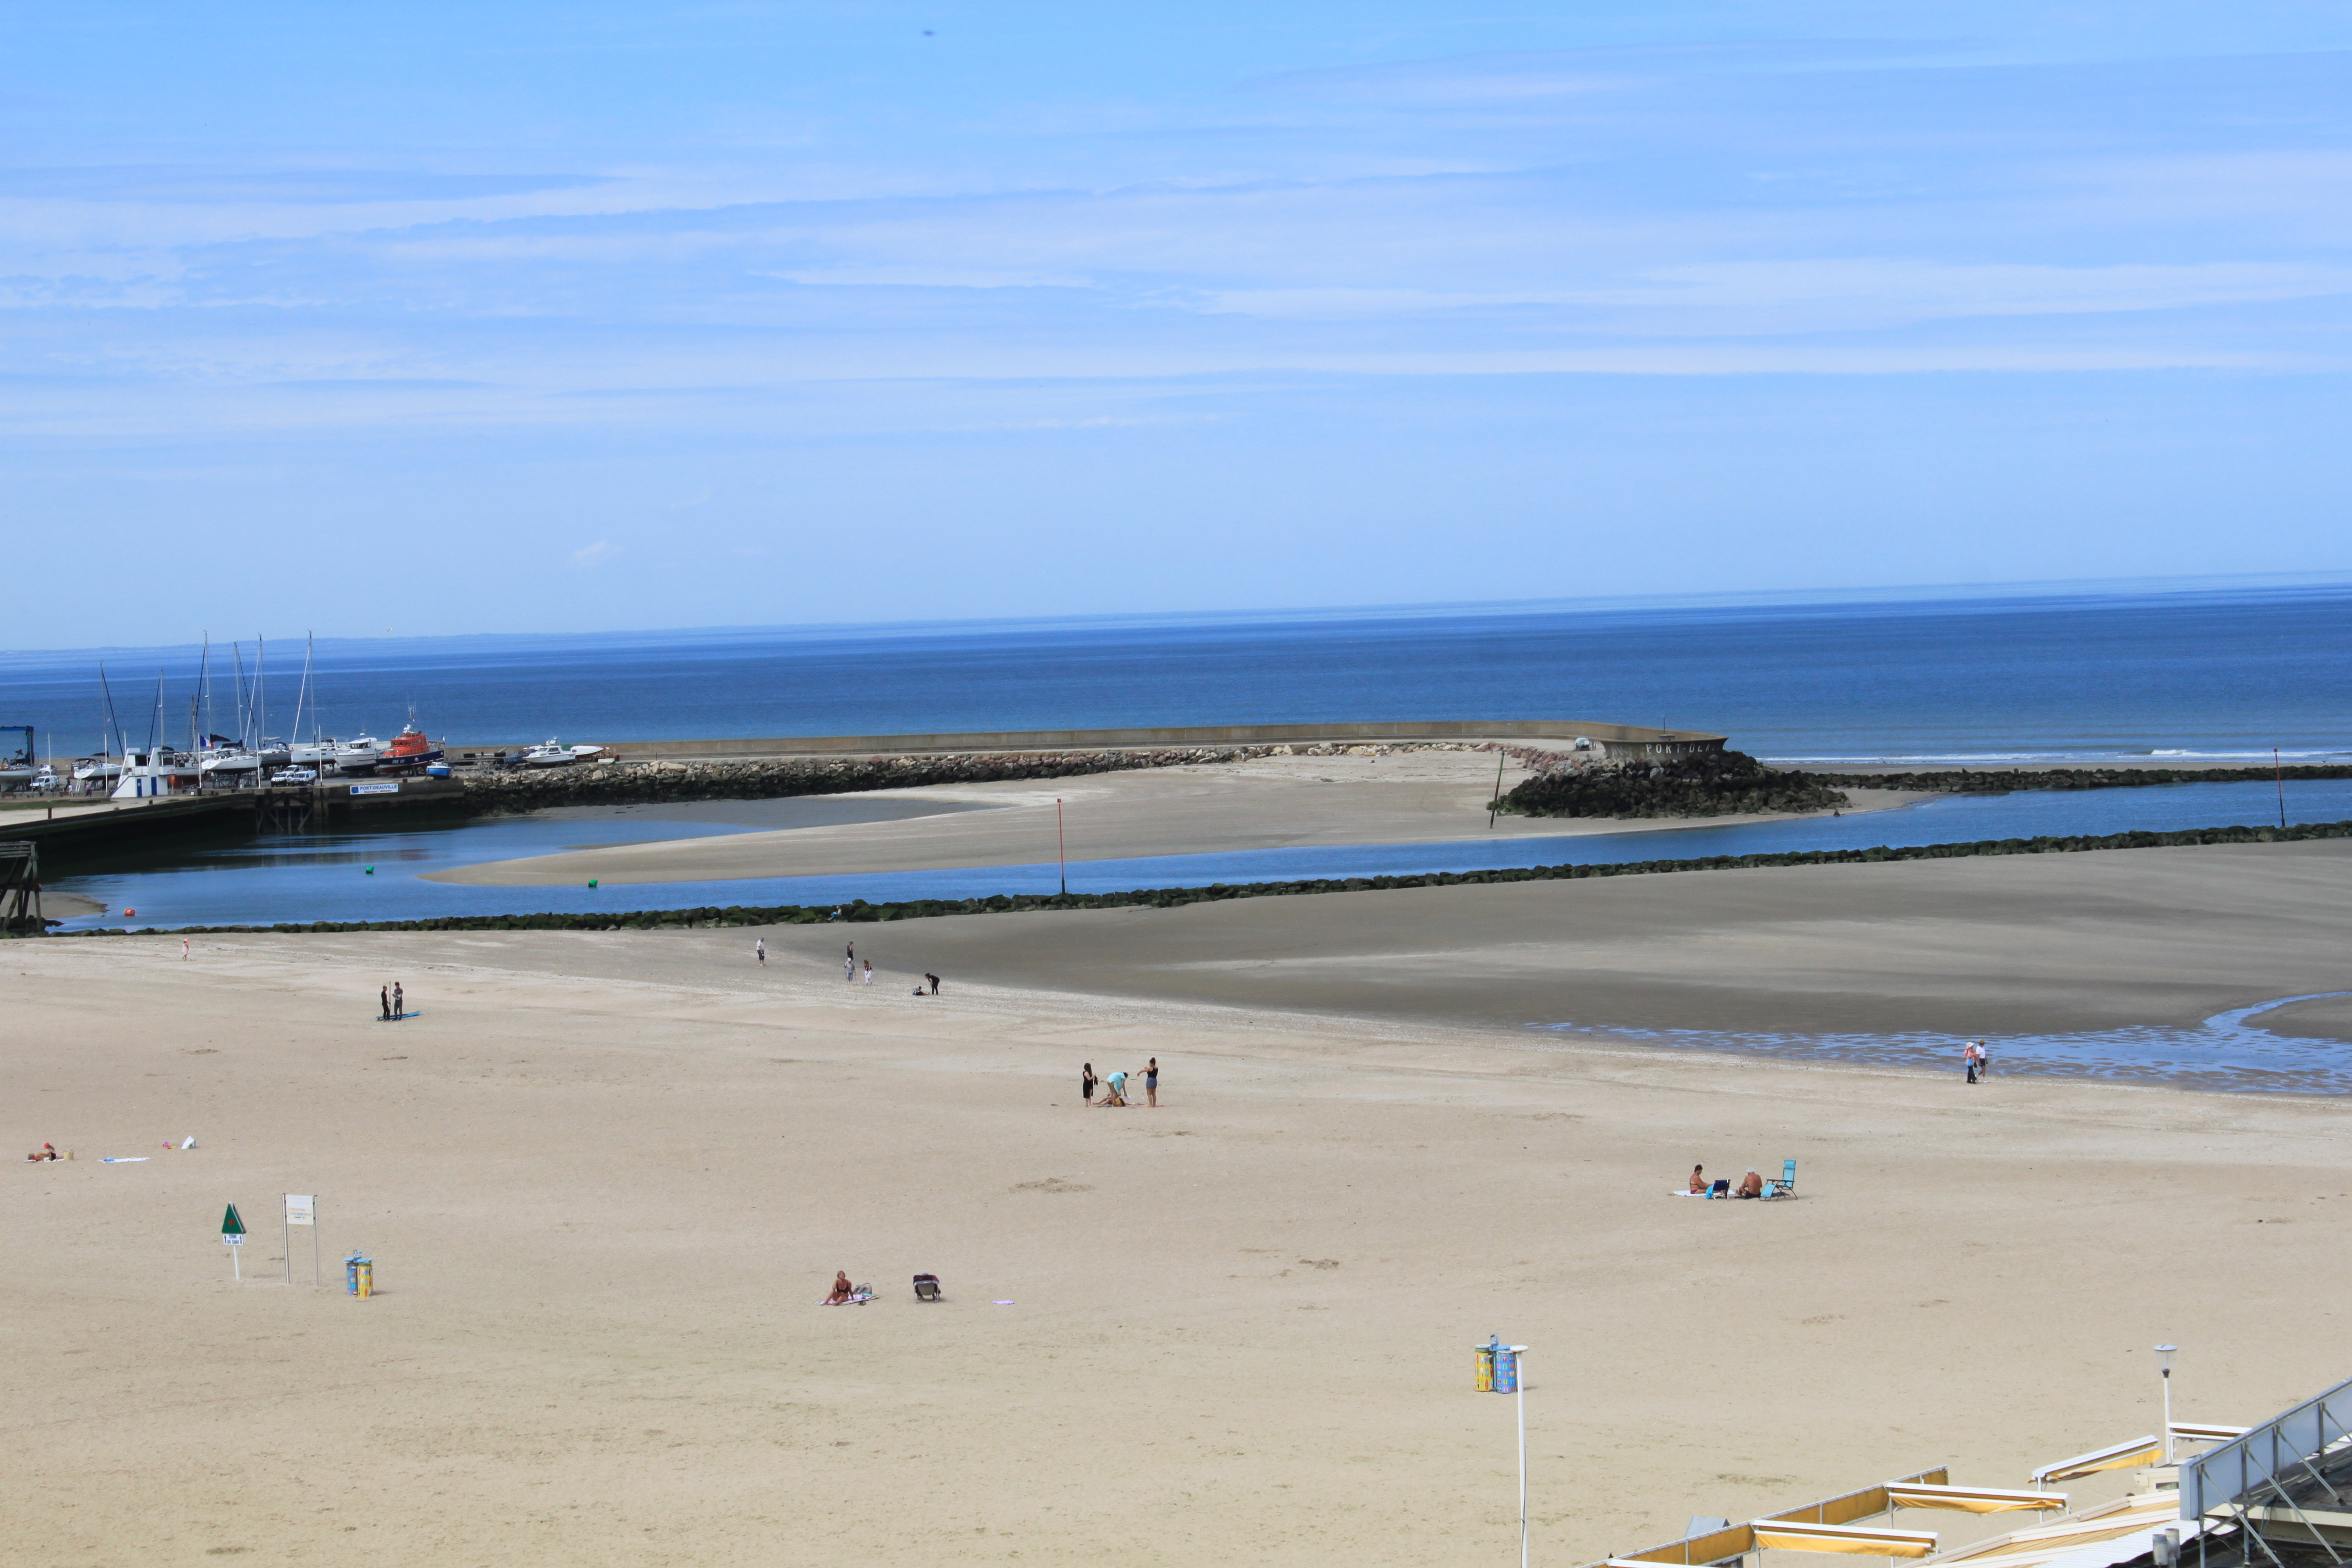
(302,1208)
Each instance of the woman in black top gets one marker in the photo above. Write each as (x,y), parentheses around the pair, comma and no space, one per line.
(1151,1083)
(1086,1083)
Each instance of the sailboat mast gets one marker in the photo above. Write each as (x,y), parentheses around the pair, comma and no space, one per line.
(244,726)
(106,716)
(301,692)
(155,723)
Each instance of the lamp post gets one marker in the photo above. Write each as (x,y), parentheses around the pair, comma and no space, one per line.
(2164,1354)
(1519,1355)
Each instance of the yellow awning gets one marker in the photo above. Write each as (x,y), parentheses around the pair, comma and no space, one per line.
(1971,1499)
(2121,1457)
(1844,1538)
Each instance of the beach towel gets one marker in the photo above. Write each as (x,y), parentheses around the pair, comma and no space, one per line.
(124,1159)
(858,1299)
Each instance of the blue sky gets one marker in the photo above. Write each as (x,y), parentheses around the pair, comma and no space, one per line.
(447,319)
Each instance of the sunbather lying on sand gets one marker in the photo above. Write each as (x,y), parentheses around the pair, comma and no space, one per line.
(48,1152)
(842,1290)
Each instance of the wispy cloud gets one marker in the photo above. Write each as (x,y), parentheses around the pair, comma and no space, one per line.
(594,555)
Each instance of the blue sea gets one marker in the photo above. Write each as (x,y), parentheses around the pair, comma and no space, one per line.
(2212,674)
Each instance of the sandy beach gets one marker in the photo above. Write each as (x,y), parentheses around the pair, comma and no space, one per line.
(606,1177)
(1405,797)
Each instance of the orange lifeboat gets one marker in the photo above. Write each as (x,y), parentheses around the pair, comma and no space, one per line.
(409,748)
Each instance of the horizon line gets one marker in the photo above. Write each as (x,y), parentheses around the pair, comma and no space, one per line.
(1889,594)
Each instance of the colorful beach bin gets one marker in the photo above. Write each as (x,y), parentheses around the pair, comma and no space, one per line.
(1507,1368)
(1486,1367)
(359,1275)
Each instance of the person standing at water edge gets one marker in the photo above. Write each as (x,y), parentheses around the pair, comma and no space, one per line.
(760,951)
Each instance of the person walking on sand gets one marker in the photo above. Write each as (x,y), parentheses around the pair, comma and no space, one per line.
(1984,1062)
(1968,1058)
(183,949)
(399,1005)
(1151,1084)
(383,1003)
(760,951)
(849,969)
(869,972)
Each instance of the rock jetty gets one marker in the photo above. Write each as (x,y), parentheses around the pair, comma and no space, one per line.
(636,782)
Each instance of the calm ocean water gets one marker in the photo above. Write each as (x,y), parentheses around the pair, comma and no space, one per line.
(2212,673)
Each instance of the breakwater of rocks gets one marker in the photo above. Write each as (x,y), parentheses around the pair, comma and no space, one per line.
(637,782)
(861,912)
(1982,781)
(1708,784)
(1725,782)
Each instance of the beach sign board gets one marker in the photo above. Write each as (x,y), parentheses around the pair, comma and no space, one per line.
(299,1209)
(232,1227)
(388,786)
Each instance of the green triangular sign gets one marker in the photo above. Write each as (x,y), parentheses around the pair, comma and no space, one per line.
(230,1224)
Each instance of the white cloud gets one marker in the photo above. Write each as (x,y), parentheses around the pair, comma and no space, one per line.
(596,554)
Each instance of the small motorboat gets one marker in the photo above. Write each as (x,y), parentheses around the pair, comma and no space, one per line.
(359,755)
(92,770)
(549,755)
(316,753)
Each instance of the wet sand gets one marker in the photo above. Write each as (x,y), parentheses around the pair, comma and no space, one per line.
(1414,797)
(605,1177)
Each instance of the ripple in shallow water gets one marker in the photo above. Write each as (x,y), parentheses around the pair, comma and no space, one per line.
(2227,1051)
